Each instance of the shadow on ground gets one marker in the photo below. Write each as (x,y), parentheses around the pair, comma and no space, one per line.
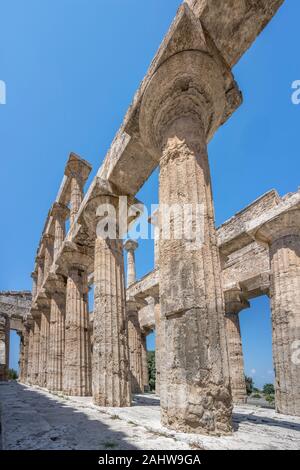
(33,420)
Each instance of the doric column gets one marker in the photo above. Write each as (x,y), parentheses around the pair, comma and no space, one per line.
(145,362)
(35,366)
(34,277)
(25,352)
(154,220)
(111,373)
(130,246)
(135,345)
(48,242)
(59,213)
(235,303)
(29,377)
(78,171)
(183,104)
(158,343)
(44,347)
(77,358)
(4,346)
(282,234)
(40,272)
(55,367)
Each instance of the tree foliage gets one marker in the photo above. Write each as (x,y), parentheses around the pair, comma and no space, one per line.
(249,385)
(12,374)
(269,389)
(151,369)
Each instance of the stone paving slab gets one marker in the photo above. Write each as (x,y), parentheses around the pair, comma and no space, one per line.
(33,418)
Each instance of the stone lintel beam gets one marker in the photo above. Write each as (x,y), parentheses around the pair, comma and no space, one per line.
(235,300)
(77,167)
(234,25)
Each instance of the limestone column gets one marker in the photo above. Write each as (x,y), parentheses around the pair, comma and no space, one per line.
(35,368)
(282,234)
(29,377)
(155,222)
(78,171)
(235,303)
(44,347)
(158,344)
(177,121)
(135,346)
(145,363)
(40,272)
(25,353)
(34,277)
(21,356)
(55,369)
(130,246)
(111,371)
(77,357)
(4,346)
(48,242)
(59,213)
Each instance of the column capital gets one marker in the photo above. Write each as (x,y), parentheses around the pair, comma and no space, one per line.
(235,300)
(56,284)
(34,275)
(71,257)
(282,225)
(131,245)
(77,168)
(190,79)
(60,211)
(103,193)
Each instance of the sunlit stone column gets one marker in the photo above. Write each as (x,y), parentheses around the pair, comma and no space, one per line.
(25,352)
(29,378)
(34,277)
(145,363)
(184,103)
(111,372)
(78,171)
(35,368)
(77,357)
(282,234)
(55,363)
(135,345)
(130,246)
(4,346)
(158,344)
(40,272)
(48,242)
(59,213)
(235,303)
(44,347)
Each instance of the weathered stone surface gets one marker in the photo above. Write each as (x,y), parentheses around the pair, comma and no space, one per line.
(4,346)
(282,233)
(77,356)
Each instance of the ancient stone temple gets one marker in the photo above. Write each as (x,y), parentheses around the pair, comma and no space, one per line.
(201,282)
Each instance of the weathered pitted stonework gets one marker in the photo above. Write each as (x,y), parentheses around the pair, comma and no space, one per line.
(187,94)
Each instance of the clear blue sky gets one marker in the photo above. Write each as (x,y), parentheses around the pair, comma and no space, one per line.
(71,68)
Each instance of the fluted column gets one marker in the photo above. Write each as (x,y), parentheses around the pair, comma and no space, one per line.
(130,246)
(34,277)
(111,380)
(77,358)
(145,363)
(235,303)
(40,272)
(282,234)
(55,368)
(29,377)
(158,344)
(44,348)
(111,372)
(36,351)
(48,241)
(78,171)
(183,104)
(59,213)
(135,346)
(25,352)
(4,346)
